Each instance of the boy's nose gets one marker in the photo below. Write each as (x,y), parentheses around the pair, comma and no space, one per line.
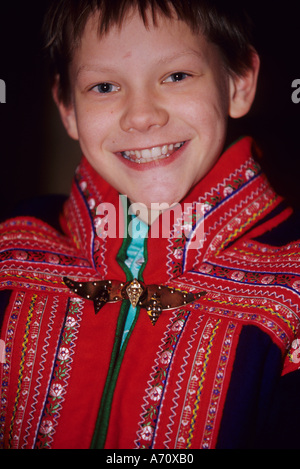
(143,113)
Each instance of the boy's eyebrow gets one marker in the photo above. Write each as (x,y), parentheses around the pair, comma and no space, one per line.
(171,58)
(92,68)
(161,60)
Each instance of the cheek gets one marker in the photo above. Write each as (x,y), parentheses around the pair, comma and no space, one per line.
(207,109)
(92,130)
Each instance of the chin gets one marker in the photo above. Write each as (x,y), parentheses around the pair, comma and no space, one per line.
(154,203)
(157,197)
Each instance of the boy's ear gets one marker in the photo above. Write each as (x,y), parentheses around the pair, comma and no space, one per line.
(243,88)
(67,112)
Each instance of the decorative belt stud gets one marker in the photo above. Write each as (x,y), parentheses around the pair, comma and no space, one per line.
(154,298)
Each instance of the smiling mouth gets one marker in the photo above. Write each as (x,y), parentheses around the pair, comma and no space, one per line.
(151,154)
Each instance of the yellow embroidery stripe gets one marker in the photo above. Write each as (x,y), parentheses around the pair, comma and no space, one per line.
(203,374)
(24,349)
(277,253)
(42,234)
(74,236)
(32,277)
(269,310)
(241,228)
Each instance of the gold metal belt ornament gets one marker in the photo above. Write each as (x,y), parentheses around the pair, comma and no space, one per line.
(154,298)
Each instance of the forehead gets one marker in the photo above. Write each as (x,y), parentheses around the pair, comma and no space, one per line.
(165,40)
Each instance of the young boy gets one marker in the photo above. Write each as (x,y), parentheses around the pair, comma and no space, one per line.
(172,242)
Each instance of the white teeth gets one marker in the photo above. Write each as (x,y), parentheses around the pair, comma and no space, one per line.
(151,154)
(146,154)
(155,152)
(164,149)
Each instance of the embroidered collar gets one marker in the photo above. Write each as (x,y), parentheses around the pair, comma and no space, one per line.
(209,215)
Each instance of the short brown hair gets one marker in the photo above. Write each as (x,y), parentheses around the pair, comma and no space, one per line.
(222,22)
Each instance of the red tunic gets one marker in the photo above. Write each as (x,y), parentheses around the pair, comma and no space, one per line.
(65,382)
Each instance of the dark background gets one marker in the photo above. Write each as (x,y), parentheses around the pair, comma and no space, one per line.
(37,157)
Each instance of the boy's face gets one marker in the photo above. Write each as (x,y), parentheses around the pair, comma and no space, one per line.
(149,107)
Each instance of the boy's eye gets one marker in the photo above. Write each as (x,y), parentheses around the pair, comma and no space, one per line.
(178,76)
(105,88)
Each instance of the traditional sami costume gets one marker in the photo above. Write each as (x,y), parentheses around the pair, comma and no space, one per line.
(123,341)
